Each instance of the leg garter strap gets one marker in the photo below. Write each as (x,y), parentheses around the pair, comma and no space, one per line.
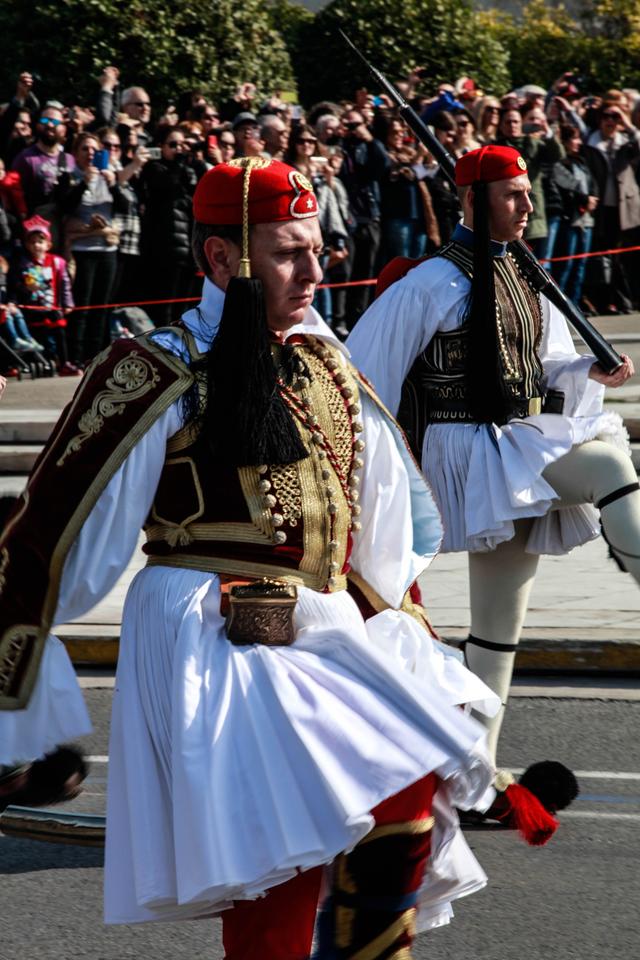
(617,495)
(488,645)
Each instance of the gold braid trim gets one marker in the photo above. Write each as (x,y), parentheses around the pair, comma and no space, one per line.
(406,923)
(406,828)
(248,164)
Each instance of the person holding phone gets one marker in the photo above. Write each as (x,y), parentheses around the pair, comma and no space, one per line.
(88,197)
(540,150)
(167,186)
(613,155)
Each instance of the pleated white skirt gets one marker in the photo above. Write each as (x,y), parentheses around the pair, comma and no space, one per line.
(56,712)
(485,477)
(233,767)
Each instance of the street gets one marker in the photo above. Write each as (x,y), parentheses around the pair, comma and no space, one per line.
(575,898)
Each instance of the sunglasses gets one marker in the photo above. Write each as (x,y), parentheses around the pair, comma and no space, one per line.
(353,125)
(141,103)
(50,121)
(610,116)
(306,140)
(462,123)
(174,144)
(228,144)
(212,116)
(110,145)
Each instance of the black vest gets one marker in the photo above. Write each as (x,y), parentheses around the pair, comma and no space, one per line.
(436,388)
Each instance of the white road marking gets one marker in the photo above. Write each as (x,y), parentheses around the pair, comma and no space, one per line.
(581,774)
(595,815)
(594,774)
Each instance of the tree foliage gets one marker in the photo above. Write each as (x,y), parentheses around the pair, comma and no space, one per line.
(601,42)
(170,46)
(166,45)
(396,35)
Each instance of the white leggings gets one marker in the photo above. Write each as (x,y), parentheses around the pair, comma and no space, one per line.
(501,580)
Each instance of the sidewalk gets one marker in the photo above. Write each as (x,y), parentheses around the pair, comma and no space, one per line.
(584,613)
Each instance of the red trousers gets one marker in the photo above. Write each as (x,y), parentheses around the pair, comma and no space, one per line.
(280,925)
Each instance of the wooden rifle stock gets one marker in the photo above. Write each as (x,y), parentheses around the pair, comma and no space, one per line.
(537,276)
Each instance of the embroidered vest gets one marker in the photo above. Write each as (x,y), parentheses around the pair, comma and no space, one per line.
(435,390)
(292,521)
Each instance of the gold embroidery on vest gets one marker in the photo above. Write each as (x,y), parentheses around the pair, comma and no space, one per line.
(132,378)
(285,479)
(13,645)
(4,563)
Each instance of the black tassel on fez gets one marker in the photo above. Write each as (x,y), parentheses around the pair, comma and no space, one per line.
(246,421)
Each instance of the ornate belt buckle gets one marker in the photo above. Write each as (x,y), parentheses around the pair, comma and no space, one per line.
(262,612)
(535,406)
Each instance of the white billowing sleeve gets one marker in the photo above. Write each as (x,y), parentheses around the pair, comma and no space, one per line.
(56,712)
(390,335)
(565,369)
(109,536)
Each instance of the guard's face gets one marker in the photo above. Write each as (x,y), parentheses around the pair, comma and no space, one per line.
(509,208)
(285,257)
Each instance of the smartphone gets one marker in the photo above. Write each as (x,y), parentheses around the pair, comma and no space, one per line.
(101,160)
(319,160)
(531,128)
(212,141)
(154,153)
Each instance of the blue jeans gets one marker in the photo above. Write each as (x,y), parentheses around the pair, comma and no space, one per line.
(571,275)
(404,238)
(553,226)
(322,299)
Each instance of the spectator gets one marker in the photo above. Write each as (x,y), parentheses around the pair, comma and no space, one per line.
(108,103)
(226,145)
(246,131)
(444,198)
(403,203)
(301,148)
(465,134)
(318,170)
(168,185)
(39,283)
(11,194)
(126,220)
(137,106)
(328,131)
(241,102)
(20,109)
(20,137)
(88,196)
(275,136)
(535,141)
(579,194)
(41,166)
(486,114)
(365,164)
(613,156)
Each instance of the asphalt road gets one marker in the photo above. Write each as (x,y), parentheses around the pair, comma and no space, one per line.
(576,898)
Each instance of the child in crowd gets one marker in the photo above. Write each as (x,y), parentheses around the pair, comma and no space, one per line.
(13,328)
(39,283)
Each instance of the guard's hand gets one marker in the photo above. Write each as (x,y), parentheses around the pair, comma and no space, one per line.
(616,379)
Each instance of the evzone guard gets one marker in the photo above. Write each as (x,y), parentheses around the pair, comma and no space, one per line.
(263,724)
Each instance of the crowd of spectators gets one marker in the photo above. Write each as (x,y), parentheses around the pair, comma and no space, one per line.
(95,201)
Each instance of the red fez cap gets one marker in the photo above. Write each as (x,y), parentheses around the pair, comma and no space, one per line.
(276,192)
(488,164)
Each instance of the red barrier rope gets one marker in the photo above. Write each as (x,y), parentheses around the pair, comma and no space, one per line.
(322,286)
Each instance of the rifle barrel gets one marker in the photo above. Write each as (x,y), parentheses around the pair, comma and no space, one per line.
(538,277)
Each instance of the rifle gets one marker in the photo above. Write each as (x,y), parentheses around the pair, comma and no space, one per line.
(539,279)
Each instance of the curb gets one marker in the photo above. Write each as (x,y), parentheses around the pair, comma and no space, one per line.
(549,652)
